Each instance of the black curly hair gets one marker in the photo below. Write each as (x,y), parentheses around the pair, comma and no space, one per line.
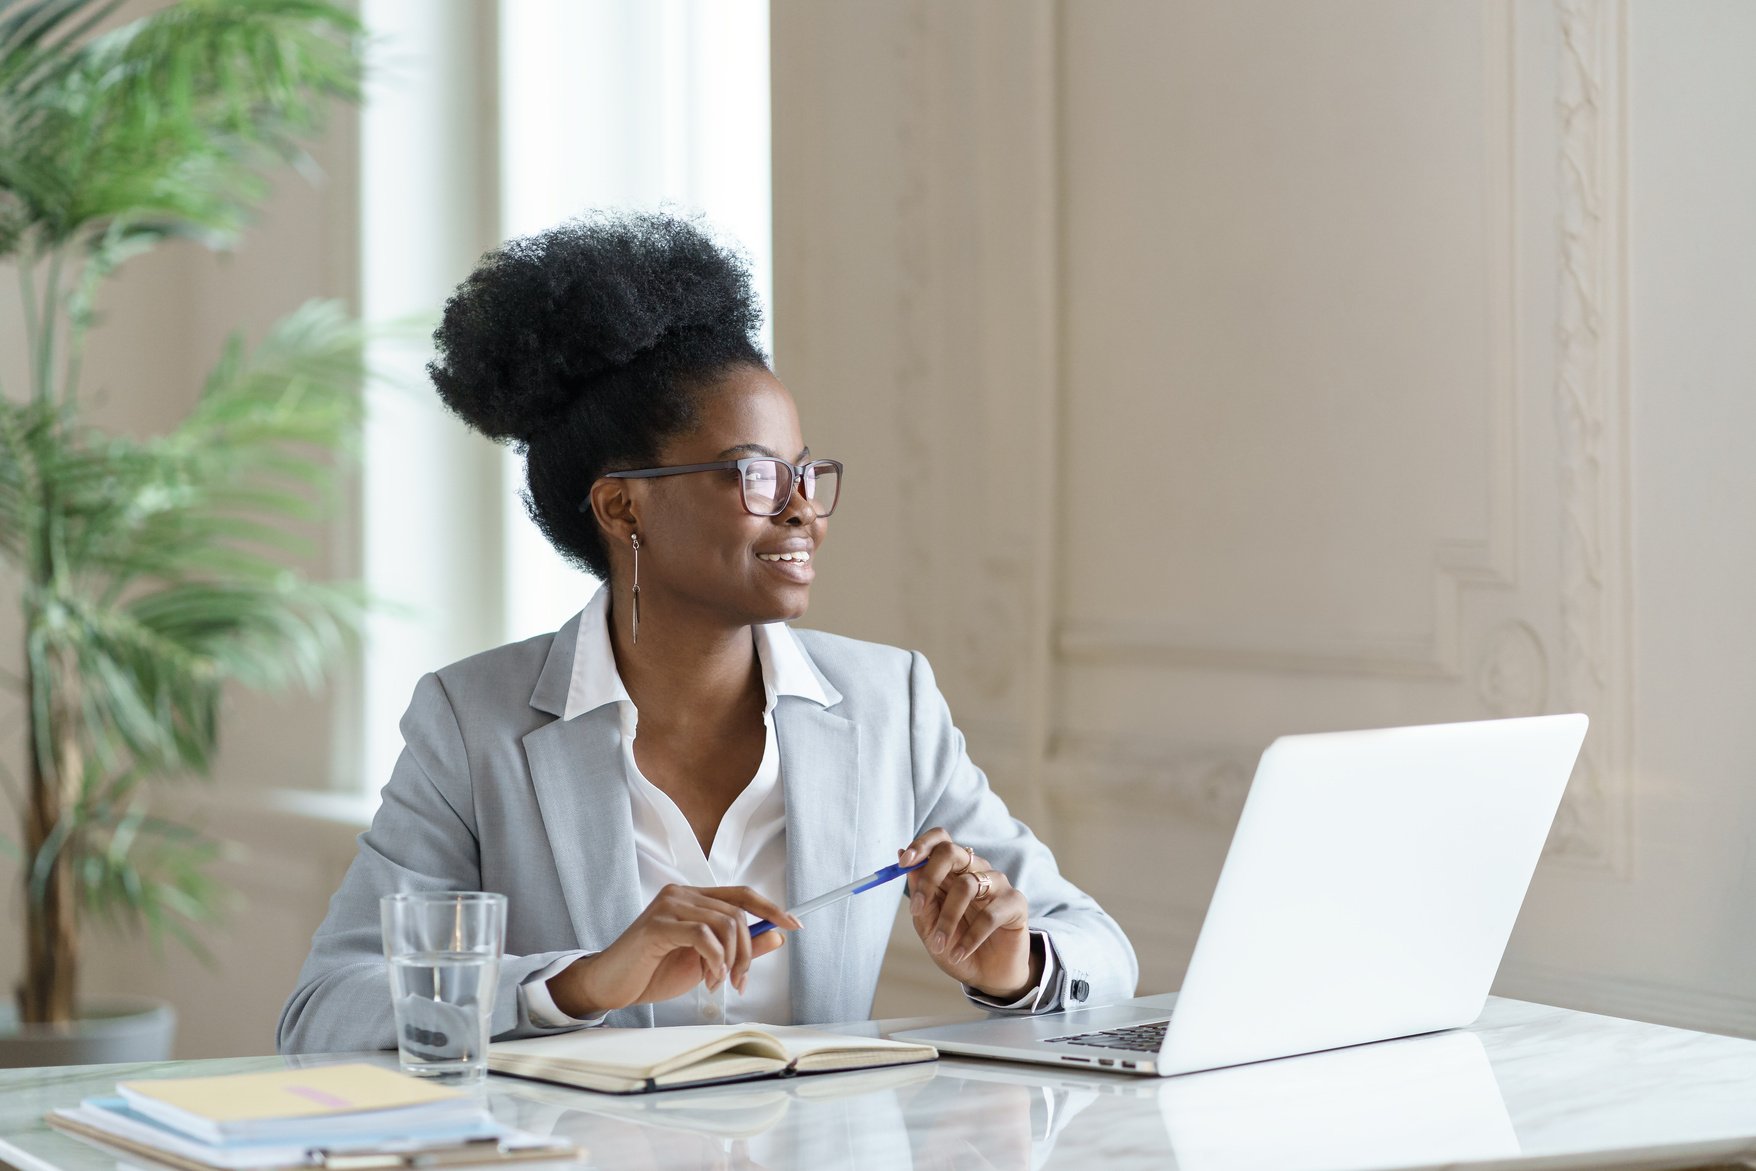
(585,346)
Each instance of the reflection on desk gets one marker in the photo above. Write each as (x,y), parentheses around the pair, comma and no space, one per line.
(823,1120)
(1525,1085)
(1410,1103)
(1415,1102)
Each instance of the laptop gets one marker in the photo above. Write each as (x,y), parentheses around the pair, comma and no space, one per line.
(1369,892)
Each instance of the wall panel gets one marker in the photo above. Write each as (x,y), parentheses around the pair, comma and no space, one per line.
(1335,418)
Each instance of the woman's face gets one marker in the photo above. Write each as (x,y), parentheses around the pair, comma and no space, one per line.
(698,545)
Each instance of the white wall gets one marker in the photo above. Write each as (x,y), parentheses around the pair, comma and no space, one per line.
(1228,369)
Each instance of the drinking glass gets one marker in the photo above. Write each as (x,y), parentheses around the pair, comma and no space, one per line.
(444,950)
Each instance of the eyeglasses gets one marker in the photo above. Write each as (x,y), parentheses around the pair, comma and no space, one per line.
(767,484)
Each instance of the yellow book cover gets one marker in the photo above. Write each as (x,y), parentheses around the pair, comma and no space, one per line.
(289,1093)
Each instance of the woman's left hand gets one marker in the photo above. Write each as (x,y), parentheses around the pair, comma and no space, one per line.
(981,941)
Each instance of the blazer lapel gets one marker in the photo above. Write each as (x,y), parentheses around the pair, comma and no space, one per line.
(576,770)
(820,776)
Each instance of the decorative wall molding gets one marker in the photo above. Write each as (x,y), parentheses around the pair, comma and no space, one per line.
(1512,674)
(1110,644)
(1459,565)
(951,245)
(1591,401)
(1203,784)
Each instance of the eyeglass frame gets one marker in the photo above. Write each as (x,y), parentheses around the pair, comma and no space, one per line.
(740,466)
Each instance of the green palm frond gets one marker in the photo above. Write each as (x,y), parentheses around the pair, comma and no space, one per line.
(158,570)
(165,123)
(134,869)
(160,566)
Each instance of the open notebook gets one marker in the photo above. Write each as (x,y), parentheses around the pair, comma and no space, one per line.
(634,1061)
(732,1111)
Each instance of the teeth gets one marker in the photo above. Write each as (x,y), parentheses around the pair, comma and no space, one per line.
(800,557)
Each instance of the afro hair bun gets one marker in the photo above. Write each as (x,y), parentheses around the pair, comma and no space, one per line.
(544,319)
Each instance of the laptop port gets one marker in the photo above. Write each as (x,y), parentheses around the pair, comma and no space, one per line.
(1129,1065)
(1105,1061)
(1070,1057)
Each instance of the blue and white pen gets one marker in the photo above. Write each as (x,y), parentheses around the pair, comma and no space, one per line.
(876,878)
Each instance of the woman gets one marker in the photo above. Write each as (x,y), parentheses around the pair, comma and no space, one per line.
(770,765)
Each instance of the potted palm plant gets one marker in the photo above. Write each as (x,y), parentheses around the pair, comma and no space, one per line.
(151,572)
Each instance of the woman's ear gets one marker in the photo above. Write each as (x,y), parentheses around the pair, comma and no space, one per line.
(613,507)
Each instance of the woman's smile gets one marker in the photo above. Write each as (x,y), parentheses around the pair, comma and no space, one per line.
(791,560)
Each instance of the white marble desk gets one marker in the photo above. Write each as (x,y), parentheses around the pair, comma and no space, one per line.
(1527,1086)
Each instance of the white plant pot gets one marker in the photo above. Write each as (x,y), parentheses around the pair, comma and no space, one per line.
(115,1029)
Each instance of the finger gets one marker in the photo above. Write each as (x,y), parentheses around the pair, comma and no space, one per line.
(700,938)
(945,858)
(725,921)
(728,921)
(727,924)
(922,846)
(765,943)
(746,899)
(1011,909)
(923,909)
(960,891)
(741,961)
(996,885)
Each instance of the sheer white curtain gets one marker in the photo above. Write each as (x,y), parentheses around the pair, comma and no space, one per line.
(486,121)
(625,104)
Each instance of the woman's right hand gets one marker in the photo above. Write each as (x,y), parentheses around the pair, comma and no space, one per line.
(686,935)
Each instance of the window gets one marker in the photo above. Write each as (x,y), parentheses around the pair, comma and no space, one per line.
(616,104)
(485,122)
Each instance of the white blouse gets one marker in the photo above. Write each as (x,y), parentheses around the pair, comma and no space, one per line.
(749,848)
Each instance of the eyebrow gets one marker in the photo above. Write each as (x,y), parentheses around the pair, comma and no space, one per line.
(758,449)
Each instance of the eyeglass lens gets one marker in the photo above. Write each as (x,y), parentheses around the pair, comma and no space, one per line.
(768,485)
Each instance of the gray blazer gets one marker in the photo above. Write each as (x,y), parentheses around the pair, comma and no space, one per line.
(494,791)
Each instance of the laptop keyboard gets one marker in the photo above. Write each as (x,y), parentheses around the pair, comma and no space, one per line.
(1147,1038)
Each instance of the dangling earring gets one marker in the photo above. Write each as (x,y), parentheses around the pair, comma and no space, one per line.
(636,540)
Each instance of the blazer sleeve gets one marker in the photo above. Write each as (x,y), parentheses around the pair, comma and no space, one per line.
(423,837)
(1097,963)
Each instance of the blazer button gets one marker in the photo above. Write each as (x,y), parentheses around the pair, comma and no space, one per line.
(1081,989)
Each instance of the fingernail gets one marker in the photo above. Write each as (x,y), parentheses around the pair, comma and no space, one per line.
(908,855)
(957,956)
(938,941)
(795,922)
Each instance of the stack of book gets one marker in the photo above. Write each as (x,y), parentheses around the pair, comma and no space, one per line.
(354,1116)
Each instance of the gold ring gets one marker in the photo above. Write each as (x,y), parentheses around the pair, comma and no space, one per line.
(984,886)
(968,862)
